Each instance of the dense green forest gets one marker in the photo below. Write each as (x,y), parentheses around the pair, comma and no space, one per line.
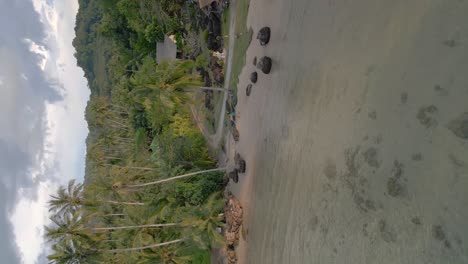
(129,210)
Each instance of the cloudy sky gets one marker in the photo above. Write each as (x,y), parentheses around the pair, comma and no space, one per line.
(42,127)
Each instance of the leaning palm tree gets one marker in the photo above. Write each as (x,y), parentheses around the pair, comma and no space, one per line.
(71,198)
(67,228)
(172,178)
(70,227)
(74,243)
(65,253)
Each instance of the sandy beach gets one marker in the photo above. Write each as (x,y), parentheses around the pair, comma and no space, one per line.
(356,143)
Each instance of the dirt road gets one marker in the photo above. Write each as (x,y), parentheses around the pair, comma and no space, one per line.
(356,143)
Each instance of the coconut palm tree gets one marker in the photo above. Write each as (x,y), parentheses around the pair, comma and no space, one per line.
(71,198)
(72,229)
(173,253)
(70,226)
(175,178)
(65,253)
(201,222)
(83,250)
(168,79)
(162,244)
(67,199)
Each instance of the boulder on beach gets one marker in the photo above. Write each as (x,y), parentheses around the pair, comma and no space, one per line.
(240,163)
(234,176)
(248,89)
(264,64)
(254,77)
(264,35)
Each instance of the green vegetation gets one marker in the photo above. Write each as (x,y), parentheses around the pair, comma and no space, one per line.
(243,39)
(225,28)
(141,201)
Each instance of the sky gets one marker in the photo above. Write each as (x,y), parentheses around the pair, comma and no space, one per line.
(42,127)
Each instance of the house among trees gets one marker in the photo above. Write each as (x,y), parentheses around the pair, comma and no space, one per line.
(167,50)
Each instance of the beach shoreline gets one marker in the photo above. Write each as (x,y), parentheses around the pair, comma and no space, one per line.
(351,142)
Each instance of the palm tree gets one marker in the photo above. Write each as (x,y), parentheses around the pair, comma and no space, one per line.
(69,227)
(175,178)
(180,240)
(169,254)
(67,199)
(65,253)
(71,198)
(167,79)
(203,221)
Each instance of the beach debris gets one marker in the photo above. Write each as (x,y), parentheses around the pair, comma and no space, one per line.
(255,61)
(234,175)
(231,256)
(233,213)
(240,163)
(248,90)
(254,77)
(235,133)
(264,35)
(264,64)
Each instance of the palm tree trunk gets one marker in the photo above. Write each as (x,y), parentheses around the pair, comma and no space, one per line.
(145,247)
(133,227)
(114,215)
(112,240)
(136,168)
(209,88)
(176,177)
(125,203)
(112,158)
(117,122)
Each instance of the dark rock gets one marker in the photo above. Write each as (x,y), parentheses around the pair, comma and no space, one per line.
(240,163)
(234,176)
(264,35)
(264,64)
(416,221)
(225,181)
(242,166)
(248,90)
(459,126)
(438,232)
(254,77)
(426,116)
(394,188)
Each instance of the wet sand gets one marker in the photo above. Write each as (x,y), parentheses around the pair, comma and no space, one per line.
(355,145)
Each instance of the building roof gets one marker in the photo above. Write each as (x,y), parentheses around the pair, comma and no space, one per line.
(166,50)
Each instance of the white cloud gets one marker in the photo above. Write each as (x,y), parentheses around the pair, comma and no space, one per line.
(39,50)
(66,126)
(29,218)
